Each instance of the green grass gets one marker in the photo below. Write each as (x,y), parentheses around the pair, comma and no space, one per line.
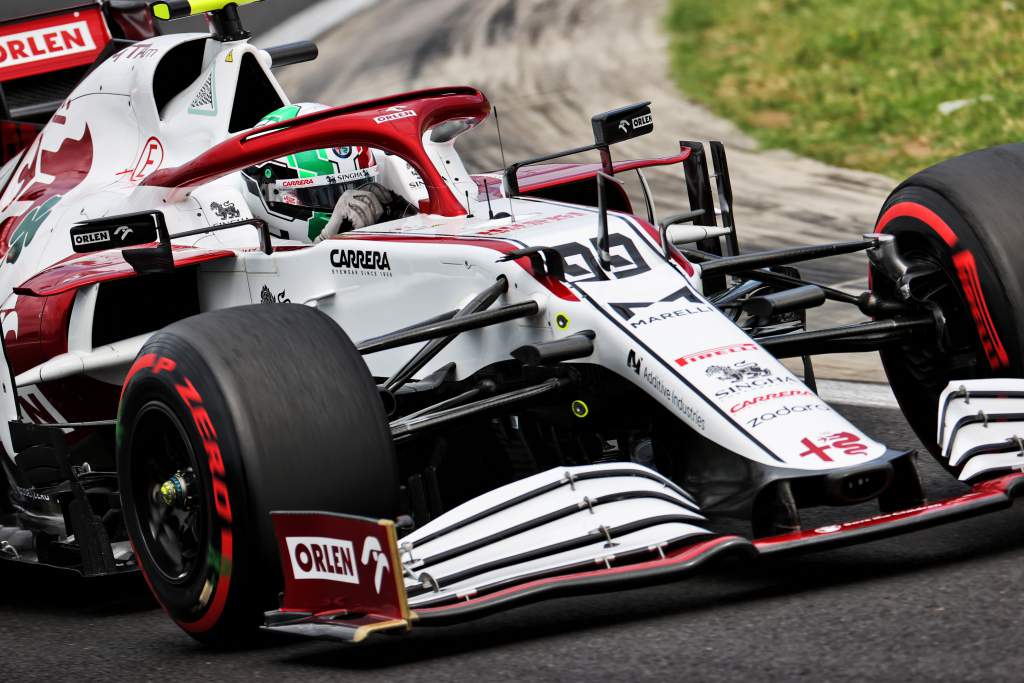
(857,83)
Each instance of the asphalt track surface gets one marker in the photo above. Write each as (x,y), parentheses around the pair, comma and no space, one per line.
(938,604)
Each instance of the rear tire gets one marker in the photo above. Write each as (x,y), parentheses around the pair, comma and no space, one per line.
(966,216)
(245,410)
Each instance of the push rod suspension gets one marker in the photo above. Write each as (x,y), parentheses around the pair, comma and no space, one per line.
(480,302)
(781,279)
(473,321)
(406,428)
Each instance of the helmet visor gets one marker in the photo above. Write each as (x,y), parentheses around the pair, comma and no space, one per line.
(320,193)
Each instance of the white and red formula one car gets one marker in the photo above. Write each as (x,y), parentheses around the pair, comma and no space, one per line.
(524,386)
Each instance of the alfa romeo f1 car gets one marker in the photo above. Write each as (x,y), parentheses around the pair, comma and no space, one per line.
(531,385)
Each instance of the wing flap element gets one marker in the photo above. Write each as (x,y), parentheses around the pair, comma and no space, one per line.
(981,427)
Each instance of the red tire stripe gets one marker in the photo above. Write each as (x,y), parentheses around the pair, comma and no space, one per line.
(921,213)
(220,596)
(223,585)
(141,363)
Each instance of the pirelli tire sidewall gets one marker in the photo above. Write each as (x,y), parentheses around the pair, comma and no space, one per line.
(925,222)
(281,413)
(213,602)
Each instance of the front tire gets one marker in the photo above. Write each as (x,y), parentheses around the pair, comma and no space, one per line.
(963,218)
(225,417)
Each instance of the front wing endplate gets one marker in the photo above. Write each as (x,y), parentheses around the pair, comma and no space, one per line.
(342,576)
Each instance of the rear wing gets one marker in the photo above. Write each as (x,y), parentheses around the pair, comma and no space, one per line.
(43,58)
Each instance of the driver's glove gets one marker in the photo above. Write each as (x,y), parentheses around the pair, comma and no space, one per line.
(356,209)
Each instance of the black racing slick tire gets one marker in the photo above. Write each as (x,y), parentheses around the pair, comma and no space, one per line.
(225,417)
(964,220)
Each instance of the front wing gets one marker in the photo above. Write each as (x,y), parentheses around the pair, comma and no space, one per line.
(346,595)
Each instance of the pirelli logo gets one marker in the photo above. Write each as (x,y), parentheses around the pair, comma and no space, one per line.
(716,352)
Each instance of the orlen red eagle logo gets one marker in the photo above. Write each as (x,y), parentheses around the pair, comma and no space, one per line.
(394,114)
(32,46)
(318,557)
(334,559)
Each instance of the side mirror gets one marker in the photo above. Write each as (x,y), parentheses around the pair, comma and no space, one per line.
(118,232)
(623,124)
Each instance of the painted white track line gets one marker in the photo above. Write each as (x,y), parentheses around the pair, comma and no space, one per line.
(867,394)
(313,22)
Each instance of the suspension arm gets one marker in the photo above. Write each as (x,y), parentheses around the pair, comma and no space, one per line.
(473,321)
(480,302)
(405,428)
(860,337)
(729,265)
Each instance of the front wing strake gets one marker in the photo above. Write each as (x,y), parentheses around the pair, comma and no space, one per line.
(346,607)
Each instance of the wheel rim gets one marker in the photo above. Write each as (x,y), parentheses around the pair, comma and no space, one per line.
(167,494)
(941,290)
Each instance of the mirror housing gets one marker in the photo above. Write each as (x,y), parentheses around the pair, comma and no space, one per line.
(624,123)
(118,232)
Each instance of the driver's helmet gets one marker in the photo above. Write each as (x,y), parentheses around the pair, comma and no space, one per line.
(296,194)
